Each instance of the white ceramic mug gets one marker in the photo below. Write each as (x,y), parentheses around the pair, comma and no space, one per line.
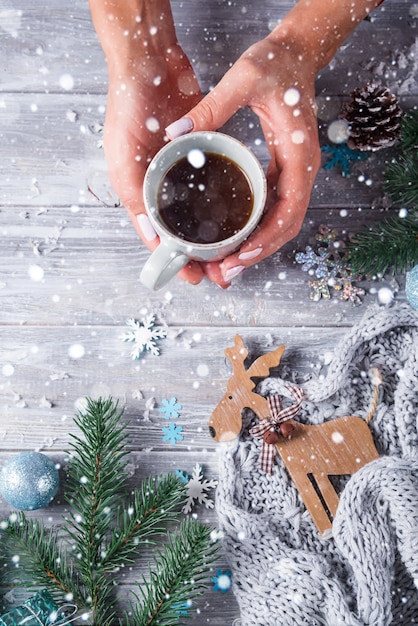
(173,251)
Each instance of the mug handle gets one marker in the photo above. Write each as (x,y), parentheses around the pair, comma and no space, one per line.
(164,263)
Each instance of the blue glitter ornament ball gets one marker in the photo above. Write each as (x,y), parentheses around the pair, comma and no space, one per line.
(29,481)
(411,287)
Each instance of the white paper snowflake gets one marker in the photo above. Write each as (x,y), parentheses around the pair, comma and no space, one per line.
(143,335)
(196,489)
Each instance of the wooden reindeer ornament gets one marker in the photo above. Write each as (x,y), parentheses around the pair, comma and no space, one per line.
(311,453)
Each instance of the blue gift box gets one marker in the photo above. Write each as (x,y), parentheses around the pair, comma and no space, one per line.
(39,610)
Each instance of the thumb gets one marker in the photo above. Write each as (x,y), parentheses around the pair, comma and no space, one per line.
(213,110)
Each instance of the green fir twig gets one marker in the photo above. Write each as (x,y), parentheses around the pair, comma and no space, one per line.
(401,180)
(42,560)
(392,245)
(178,573)
(106,528)
(401,175)
(97,476)
(155,504)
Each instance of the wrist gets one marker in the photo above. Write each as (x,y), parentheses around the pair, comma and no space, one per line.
(319,27)
(132,31)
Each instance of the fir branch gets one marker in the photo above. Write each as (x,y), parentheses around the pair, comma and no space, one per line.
(105,530)
(401,180)
(154,506)
(409,131)
(97,475)
(401,175)
(392,245)
(177,577)
(42,556)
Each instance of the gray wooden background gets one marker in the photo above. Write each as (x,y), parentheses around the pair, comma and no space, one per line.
(69,262)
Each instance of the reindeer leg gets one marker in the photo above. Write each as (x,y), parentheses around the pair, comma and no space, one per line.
(328,492)
(311,500)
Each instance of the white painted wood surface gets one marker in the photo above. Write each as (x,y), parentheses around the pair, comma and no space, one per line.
(87,256)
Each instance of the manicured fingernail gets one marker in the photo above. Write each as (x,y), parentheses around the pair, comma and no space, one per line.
(233,272)
(251,254)
(180,127)
(146,227)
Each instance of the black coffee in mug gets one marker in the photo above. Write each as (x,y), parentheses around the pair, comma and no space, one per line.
(205,198)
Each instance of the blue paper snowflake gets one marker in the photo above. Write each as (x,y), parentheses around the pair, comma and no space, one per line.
(222,581)
(143,335)
(170,408)
(182,608)
(182,476)
(173,433)
(342,156)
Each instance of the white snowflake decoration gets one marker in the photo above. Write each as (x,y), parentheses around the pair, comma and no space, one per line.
(143,335)
(196,490)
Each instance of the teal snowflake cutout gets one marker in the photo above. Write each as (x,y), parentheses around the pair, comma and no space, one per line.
(170,408)
(143,335)
(222,581)
(342,157)
(182,608)
(172,433)
(182,476)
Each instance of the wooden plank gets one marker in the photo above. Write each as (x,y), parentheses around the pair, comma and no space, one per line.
(50,154)
(41,49)
(42,382)
(64,265)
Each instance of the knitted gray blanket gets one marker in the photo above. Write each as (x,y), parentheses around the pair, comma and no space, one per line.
(284,573)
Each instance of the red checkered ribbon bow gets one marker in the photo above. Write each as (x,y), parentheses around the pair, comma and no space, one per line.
(278,415)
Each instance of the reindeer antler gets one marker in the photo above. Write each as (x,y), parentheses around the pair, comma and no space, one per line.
(237,353)
(262,366)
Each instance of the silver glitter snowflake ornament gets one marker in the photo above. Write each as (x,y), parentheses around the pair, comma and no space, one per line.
(143,335)
(196,490)
(329,269)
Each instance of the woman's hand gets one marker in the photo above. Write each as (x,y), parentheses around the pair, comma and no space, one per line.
(276,81)
(157,89)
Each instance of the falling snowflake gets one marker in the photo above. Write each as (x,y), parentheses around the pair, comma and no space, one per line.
(196,490)
(143,335)
(170,408)
(222,581)
(342,156)
(173,433)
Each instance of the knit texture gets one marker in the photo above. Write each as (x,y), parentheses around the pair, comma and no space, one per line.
(284,573)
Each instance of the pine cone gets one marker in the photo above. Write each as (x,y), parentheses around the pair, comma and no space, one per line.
(374,117)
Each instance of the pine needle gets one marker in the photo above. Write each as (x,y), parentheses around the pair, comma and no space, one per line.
(176,578)
(401,180)
(401,175)
(106,528)
(42,561)
(154,506)
(97,476)
(392,245)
